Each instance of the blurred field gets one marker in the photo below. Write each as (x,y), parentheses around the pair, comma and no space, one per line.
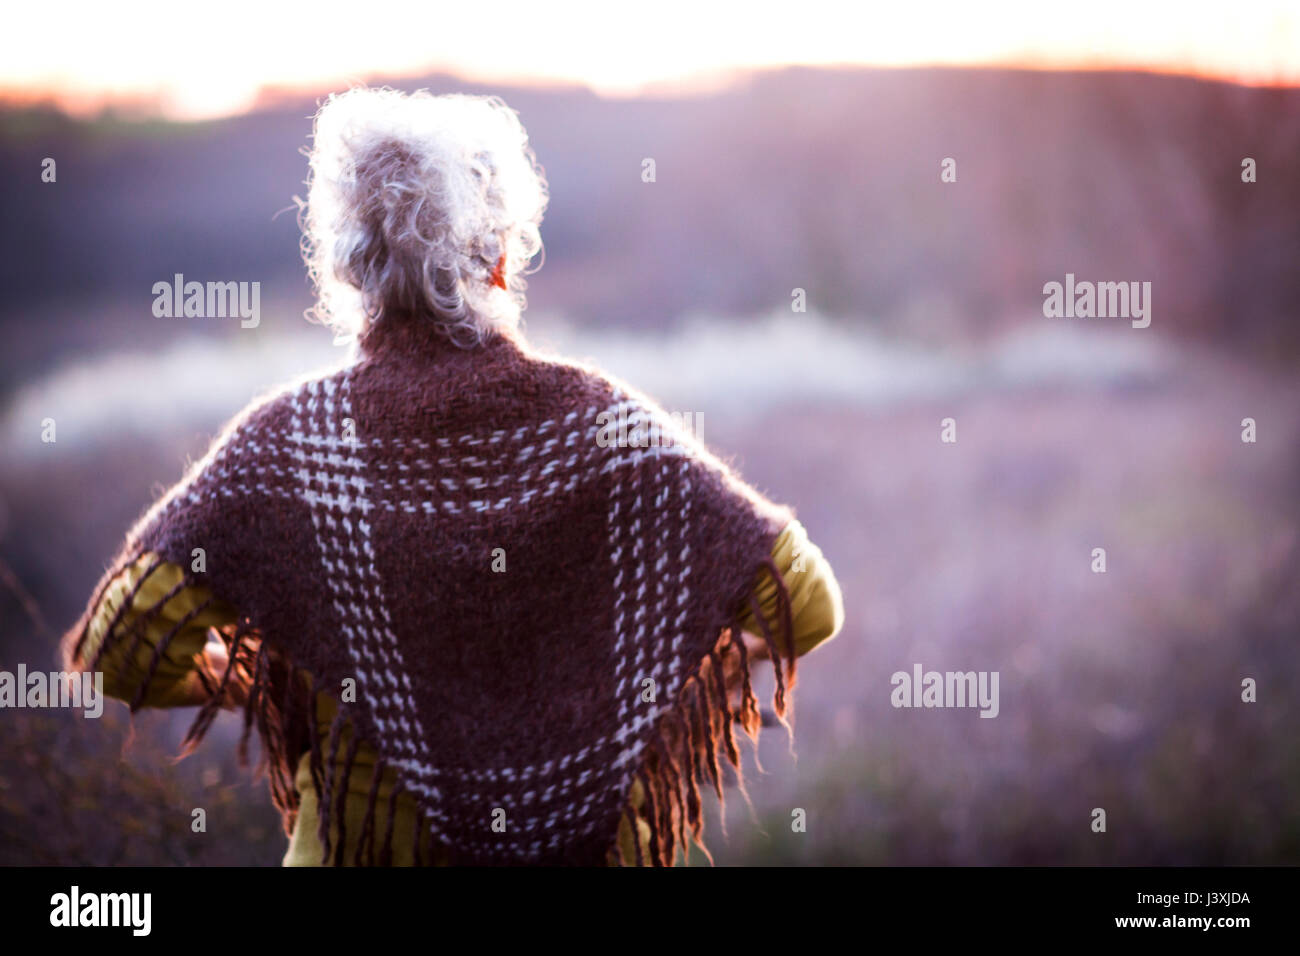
(1118,690)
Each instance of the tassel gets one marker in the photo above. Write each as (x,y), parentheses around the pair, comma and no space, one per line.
(368,821)
(729,739)
(208,712)
(314,744)
(251,704)
(775,654)
(341,807)
(332,757)
(386,858)
(652,820)
(786,610)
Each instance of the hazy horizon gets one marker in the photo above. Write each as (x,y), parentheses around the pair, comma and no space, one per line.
(229,69)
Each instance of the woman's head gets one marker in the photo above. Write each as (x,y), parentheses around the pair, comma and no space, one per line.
(424,206)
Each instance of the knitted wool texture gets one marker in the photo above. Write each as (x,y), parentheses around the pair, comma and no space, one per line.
(354,520)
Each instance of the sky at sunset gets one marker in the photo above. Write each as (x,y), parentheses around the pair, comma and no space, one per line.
(210,60)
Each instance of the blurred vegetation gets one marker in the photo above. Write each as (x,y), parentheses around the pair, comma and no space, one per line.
(73,791)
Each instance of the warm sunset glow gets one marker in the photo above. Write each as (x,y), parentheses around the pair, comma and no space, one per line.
(211,60)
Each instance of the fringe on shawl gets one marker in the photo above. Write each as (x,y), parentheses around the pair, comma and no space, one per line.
(274,696)
(684,755)
(277,700)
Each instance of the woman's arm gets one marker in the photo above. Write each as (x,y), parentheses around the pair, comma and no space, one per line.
(184,671)
(816,602)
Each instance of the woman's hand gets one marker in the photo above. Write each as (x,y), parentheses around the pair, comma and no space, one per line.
(212,663)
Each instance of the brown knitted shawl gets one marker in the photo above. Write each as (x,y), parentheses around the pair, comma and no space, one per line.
(353,519)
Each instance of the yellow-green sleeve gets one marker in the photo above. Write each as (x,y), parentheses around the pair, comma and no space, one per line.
(816,602)
(175,681)
(304,843)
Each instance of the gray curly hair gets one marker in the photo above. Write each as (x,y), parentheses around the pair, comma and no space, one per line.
(412,201)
